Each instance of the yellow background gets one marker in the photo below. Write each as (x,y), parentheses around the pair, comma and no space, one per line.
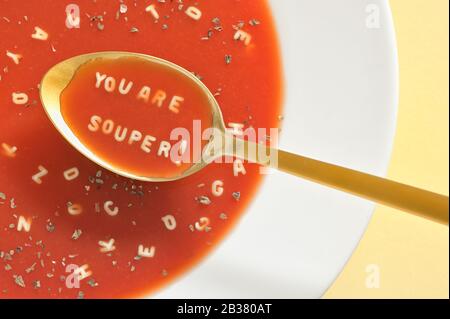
(412,255)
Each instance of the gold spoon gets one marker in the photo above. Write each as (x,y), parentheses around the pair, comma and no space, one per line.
(386,192)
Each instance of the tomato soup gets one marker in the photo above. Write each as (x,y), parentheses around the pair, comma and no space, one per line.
(138,116)
(70,229)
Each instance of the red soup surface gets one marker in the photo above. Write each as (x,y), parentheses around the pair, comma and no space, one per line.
(126,110)
(70,229)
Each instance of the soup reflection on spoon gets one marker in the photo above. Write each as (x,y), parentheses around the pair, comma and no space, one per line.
(151,120)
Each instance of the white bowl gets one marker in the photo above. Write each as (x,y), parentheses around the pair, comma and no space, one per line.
(342,84)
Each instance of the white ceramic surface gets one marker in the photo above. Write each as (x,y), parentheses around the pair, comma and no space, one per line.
(341,106)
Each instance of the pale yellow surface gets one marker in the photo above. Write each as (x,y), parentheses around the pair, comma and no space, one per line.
(412,255)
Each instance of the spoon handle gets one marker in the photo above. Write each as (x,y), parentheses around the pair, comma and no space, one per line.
(407,198)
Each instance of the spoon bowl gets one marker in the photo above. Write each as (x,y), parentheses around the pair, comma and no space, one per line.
(59,77)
